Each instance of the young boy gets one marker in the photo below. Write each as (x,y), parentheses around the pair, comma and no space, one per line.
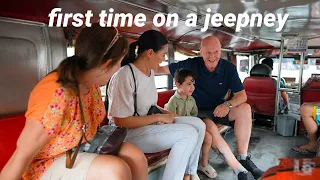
(183,104)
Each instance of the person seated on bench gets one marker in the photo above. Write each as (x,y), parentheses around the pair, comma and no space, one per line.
(309,118)
(183,104)
(132,94)
(215,77)
(283,107)
(53,124)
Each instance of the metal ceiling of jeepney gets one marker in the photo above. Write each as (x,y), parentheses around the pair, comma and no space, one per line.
(304,18)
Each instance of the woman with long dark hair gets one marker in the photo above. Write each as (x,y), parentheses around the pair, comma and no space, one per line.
(53,124)
(153,132)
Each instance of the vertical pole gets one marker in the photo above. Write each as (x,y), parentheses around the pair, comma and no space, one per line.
(170,60)
(278,85)
(302,57)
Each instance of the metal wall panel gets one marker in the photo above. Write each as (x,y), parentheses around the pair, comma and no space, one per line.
(28,51)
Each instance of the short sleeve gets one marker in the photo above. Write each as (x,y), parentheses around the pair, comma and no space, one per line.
(47,104)
(186,64)
(120,95)
(235,83)
(171,105)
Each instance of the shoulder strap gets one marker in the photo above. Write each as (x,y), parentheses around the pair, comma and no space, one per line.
(69,158)
(106,100)
(134,93)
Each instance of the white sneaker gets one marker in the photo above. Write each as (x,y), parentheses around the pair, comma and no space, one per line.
(208,170)
(195,177)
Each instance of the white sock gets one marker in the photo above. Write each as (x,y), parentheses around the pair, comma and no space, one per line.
(242,156)
(240,169)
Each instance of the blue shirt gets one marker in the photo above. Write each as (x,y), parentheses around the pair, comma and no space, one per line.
(210,87)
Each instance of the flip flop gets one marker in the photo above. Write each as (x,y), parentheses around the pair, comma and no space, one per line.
(303,151)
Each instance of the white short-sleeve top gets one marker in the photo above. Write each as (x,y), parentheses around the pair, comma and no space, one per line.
(121,89)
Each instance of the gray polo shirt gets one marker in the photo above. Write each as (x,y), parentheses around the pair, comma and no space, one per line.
(182,107)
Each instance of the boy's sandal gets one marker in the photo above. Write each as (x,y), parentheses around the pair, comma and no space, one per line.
(208,171)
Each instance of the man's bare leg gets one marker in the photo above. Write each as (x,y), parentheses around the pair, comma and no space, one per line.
(242,127)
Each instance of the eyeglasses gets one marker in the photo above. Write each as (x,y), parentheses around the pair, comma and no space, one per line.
(114,40)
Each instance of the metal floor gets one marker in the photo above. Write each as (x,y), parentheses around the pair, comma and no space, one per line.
(265,148)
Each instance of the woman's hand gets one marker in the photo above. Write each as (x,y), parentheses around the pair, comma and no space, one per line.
(165,118)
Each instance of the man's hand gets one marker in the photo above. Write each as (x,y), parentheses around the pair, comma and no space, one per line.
(221,111)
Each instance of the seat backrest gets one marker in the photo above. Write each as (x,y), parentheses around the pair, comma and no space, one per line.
(10,129)
(310,92)
(164,96)
(261,90)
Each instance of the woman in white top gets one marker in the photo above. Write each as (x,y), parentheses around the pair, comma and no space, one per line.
(157,132)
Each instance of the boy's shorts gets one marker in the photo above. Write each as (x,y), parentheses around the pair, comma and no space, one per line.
(202,114)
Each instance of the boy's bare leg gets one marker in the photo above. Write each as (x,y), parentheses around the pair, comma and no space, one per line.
(206,147)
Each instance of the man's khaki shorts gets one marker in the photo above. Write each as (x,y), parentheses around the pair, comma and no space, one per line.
(79,171)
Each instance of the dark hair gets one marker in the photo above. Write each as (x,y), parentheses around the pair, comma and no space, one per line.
(268,62)
(181,74)
(150,39)
(91,51)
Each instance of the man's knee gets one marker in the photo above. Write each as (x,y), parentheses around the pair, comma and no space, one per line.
(245,108)
(244,112)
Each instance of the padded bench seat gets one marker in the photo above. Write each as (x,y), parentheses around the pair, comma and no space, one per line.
(11,127)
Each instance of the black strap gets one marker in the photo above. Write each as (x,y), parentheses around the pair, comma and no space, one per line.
(106,101)
(70,159)
(134,93)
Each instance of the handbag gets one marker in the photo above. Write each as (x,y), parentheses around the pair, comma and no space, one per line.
(107,140)
(154,110)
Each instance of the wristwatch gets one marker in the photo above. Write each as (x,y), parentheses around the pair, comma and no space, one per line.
(228,104)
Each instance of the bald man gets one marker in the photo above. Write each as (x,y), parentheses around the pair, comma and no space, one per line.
(215,76)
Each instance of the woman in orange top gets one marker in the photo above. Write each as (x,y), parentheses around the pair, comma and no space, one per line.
(53,124)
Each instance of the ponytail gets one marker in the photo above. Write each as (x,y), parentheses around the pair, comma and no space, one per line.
(68,71)
(150,39)
(131,56)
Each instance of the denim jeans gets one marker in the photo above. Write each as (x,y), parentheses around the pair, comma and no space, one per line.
(184,137)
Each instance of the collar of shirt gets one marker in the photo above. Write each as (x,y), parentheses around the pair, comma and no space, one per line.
(177,95)
(218,69)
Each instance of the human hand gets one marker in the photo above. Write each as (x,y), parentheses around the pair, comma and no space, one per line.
(165,118)
(221,111)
